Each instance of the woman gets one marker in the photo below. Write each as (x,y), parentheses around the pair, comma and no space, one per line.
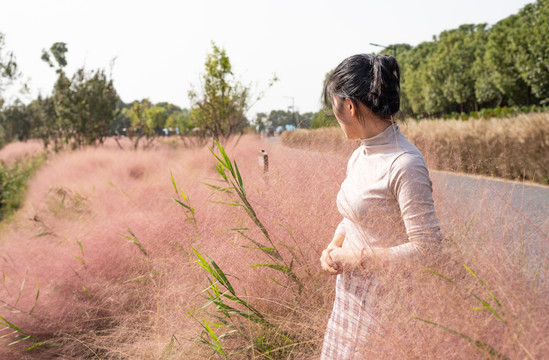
(385,200)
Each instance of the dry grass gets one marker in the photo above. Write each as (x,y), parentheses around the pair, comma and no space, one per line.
(513,148)
(109,300)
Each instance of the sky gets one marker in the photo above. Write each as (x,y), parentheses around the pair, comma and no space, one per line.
(159,47)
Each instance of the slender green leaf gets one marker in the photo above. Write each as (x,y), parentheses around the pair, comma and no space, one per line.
(174,185)
(36,298)
(21,289)
(167,352)
(219,188)
(285,269)
(12,326)
(440,275)
(223,277)
(182,204)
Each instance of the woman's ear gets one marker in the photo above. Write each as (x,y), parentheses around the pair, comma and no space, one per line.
(350,106)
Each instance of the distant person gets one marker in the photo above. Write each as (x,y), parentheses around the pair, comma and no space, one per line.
(386,201)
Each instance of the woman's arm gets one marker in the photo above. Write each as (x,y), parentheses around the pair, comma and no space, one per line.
(410,185)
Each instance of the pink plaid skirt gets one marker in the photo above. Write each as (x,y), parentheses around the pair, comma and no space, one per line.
(352,320)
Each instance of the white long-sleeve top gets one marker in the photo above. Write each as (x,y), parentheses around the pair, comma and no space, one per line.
(386,199)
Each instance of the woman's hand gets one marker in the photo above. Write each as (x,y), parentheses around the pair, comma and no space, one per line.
(327,263)
(347,259)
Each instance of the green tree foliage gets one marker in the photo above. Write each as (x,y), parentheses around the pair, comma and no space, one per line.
(278,118)
(323,119)
(43,119)
(450,76)
(180,122)
(8,68)
(478,66)
(83,106)
(498,78)
(141,124)
(532,61)
(219,107)
(414,82)
(15,123)
(57,51)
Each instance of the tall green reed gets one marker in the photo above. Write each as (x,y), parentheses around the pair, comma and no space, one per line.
(237,328)
(238,318)
(230,175)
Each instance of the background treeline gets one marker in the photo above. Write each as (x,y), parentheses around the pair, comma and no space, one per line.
(476,66)
(472,71)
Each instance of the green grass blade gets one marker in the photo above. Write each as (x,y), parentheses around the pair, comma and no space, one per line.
(182,204)
(239,179)
(10,325)
(219,188)
(221,274)
(283,268)
(36,298)
(21,288)
(441,276)
(167,352)
(173,183)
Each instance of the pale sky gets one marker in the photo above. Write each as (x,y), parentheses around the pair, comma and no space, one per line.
(160,46)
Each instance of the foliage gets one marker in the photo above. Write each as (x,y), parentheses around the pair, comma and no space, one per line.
(278,118)
(231,176)
(8,68)
(80,109)
(235,315)
(142,120)
(219,107)
(57,51)
(13,183)
(323,119)
(475,66)
(238,317)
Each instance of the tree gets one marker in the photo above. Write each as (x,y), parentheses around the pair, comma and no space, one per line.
(94,100)
(180,121)
(414,86)
(84,105)
(57,51)
(219,109)
(139,115)
(8,68)
(530,42)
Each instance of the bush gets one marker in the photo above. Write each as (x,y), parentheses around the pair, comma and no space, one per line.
(13,183)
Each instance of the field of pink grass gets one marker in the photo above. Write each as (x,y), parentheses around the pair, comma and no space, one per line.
(98,263)
(19,150)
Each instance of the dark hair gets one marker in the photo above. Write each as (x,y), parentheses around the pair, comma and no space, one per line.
(372,80)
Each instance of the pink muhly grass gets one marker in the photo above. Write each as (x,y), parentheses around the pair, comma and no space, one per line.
(16,151)
(134,303)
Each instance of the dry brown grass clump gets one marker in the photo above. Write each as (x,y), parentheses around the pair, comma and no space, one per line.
(513,148)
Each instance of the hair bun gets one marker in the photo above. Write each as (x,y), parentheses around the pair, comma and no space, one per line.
(372,80)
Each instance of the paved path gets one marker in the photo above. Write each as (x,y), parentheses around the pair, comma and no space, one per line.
(513,214)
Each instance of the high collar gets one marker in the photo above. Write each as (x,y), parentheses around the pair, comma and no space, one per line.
(383,138)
